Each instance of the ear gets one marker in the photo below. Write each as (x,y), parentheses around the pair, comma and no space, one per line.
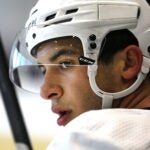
(133,62)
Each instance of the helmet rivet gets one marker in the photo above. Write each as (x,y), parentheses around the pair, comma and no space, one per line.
(93,45)
(92,37)
(34,35)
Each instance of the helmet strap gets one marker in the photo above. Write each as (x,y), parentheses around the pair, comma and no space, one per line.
(107,98)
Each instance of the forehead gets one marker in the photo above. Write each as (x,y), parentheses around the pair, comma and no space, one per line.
(64,43)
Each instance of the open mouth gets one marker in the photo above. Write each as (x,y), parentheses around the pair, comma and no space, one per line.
(61,113)
(63,117)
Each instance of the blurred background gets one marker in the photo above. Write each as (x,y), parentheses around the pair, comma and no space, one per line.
(39,121)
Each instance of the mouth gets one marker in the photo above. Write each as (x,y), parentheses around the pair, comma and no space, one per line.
(64,116)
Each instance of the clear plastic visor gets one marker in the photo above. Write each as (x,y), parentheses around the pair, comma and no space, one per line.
(50,62)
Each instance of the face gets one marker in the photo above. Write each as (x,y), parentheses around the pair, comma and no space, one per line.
(67,86)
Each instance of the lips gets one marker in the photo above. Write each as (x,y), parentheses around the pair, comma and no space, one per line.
(63,115)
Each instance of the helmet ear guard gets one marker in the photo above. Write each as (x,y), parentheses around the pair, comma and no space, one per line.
(89,21)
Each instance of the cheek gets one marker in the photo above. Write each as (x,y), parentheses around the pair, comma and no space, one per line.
(80,93)
(78,79)
(76,84)
(105,78)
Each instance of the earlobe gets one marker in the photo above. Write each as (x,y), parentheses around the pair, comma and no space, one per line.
(133,62)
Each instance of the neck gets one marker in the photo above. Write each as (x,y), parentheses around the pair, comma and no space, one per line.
(138,99)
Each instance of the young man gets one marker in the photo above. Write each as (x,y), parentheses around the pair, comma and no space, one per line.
(90,55)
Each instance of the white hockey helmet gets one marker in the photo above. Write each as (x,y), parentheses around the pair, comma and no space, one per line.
(90,21)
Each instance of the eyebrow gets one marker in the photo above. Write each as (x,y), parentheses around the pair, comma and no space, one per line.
(61,52)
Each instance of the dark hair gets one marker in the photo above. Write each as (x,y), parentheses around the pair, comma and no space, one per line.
(114,42)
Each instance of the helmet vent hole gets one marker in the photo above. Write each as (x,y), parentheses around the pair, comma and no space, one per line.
(34,11)
(138,13)
(34,35)
(148,1)
(50,17)
(149,49)
(71,11)
(63,21)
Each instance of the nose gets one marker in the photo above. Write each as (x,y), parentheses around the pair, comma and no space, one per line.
(51,92)
(50,88)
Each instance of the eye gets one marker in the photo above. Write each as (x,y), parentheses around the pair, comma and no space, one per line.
(66,64)
(42,68)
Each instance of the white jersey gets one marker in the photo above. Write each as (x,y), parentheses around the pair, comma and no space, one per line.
(109,129)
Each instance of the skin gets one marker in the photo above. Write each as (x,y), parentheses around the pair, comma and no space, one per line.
(68,88)
(124,69)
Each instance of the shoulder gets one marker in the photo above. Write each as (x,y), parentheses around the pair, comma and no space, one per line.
(99,118)
(118,128)
(80,141)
